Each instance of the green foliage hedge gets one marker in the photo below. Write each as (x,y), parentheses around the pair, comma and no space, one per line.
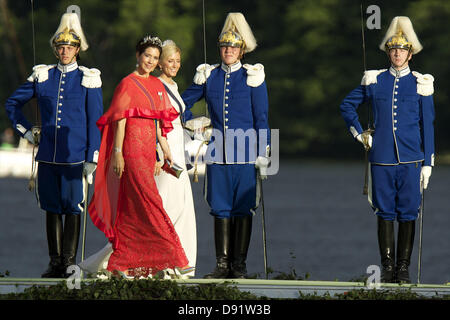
(153,289)
(121,289)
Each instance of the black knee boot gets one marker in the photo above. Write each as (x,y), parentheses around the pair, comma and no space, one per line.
(70,240)
(54,240)
(222,230)
(386,243)
(405,243)
(242,230)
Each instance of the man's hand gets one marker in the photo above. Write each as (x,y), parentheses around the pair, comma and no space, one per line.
(88,171)
(261,164)
(425,174)
(30,137)
(366,139)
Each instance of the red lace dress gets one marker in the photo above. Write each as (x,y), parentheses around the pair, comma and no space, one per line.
(129,210)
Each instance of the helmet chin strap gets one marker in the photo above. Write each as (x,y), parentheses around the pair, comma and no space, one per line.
(73,59)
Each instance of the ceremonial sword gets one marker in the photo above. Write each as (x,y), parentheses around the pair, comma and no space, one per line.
(421,211)
(369,131)
(86,195)
(263,218)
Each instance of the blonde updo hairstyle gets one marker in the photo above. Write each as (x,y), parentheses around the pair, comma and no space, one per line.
(168,48)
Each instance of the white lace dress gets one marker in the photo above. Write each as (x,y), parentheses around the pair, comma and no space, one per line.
(176,193)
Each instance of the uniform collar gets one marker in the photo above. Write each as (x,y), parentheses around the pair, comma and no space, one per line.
(67,67)
(400,73)
(232,68)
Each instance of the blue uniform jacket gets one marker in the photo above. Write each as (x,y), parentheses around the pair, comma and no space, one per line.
(70,102)
(403,115)
(238,106)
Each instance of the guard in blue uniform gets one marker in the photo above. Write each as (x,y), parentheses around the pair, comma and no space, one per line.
(402,146)
(237,101)
(70,101)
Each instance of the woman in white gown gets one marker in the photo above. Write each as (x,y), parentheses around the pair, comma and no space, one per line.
(176,193)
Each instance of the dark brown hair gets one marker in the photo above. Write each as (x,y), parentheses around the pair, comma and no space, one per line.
(148,41)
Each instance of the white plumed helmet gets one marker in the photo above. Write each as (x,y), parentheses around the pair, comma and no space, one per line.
(237,33)
(69,32)
(400,34)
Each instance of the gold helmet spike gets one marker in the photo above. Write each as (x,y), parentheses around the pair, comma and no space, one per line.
(236,30)
(69,32)
(68,37)
(231,39)
(398,41)
(400,34)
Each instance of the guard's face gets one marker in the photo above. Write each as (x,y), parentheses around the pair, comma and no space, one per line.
(148,60)
(171,65)
(399,57)
(230,55)
(67,54)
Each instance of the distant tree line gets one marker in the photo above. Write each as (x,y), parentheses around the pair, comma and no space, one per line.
(311,51)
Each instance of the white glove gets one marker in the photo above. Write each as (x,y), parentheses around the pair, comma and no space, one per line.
(88,171)
(425,174)
(203,134)
(367,144)
(200,128)
(262,163)
(198,135)
(203,73)
(29,136)
(192,148)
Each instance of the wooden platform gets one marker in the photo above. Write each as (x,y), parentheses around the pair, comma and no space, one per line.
(284,289)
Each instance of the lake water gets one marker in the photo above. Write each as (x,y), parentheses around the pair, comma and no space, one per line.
(317,222)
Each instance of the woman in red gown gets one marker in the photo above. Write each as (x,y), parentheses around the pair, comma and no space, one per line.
(126,204)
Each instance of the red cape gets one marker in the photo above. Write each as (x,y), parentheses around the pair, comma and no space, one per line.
(135,96)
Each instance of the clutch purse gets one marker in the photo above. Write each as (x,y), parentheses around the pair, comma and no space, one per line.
(174,170)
